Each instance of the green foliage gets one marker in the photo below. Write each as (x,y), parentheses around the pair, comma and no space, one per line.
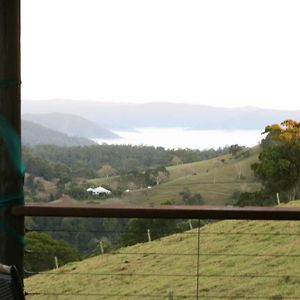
(279,162)
(40,167)
(190,199)
(258,198)
(33,186)
(234,149)
(42,250)
(136,230)
(80,233)
(120,157)
(78,192)
(82,169)
(155,176)
(61,171)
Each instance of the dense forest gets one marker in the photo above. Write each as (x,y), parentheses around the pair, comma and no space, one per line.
(51,161)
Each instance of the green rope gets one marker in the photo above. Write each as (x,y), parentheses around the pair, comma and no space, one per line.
(12,199)
(13,232)
(6,83)
(13,145)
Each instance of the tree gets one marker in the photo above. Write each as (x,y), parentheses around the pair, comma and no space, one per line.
(131,164)
(156,176)
(159,177)
(77,192)
(234,149)
(190,199)
(279,161)
(42,249)
(258,198)
(106,171)
(176,160)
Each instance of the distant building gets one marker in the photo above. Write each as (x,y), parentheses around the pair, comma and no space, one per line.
(99,190)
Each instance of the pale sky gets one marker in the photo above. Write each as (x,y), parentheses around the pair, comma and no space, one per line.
(215,52)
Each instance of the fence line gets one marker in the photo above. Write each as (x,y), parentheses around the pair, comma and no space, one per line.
(200,236)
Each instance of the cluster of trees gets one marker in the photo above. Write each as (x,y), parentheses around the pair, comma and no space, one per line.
(42,250)
(83,234)
(190,199)
(279,161)
(278,167)
(87,161)
(238,151)
(41,167)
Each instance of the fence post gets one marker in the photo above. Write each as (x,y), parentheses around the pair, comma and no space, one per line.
(149,235)
(56,262)
(190,223)
(101,247)
(278,198)
(11,180)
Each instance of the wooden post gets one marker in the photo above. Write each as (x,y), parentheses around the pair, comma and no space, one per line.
(190,223)
(11,181)
(149,235)
(278,198)
(56,262)
(101,247)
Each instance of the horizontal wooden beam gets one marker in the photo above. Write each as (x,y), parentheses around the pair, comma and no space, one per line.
(165,212)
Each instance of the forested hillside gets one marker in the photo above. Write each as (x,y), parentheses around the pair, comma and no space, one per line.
(120,157)
(73,125)
(34,134)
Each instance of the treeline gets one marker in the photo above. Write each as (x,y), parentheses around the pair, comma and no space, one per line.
(51,161)
(72,239)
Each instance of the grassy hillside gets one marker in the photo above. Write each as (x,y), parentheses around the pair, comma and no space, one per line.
(247,264)
(214,179)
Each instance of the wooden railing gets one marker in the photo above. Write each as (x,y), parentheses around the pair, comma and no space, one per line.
(164,212)
(171,212)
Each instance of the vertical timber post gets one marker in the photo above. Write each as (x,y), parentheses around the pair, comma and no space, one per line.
(11,181)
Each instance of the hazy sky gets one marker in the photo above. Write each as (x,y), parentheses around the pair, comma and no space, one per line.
(217,52)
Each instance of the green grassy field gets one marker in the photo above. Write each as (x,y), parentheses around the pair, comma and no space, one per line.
(214,180)
(255,259)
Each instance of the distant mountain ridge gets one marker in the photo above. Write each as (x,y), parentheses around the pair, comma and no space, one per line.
(129,116)
(35,134)
(73,125)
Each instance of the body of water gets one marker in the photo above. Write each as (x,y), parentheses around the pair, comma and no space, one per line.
(185,138)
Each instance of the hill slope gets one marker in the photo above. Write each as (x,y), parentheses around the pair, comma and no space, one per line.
(71,124)
(215,179)
(260,261)
(35,134)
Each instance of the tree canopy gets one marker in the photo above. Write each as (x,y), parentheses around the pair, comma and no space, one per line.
(279,162)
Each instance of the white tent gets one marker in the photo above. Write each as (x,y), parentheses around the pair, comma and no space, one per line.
(99,190)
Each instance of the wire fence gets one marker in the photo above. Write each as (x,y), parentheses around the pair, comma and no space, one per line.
(236,259)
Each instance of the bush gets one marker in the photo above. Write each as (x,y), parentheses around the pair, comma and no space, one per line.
(42,250)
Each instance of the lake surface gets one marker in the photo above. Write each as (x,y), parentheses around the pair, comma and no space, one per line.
(185,138)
